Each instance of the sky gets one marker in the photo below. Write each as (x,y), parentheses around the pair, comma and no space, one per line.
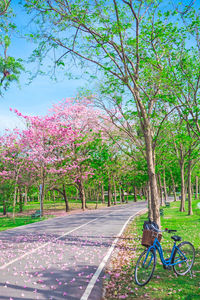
(38,96)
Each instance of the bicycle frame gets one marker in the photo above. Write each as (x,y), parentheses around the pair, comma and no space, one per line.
(167,262)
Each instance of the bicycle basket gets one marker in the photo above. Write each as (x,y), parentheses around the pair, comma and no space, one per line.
(149,236)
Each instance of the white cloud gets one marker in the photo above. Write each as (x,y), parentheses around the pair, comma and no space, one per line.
(9,120)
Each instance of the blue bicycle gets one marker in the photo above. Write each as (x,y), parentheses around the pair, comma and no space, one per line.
(181,258)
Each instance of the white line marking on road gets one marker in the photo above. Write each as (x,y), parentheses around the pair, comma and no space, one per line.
(44,245)
(94,278)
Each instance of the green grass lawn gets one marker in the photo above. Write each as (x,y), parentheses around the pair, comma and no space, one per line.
(164,284)
(8,222)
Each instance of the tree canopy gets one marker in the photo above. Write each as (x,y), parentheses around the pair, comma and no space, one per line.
(144,59)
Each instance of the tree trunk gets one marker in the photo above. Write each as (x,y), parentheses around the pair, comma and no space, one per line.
(42,191)
(161,193)
(170,190)
(173,185)
(152,176)
(20,200)
(140,193)
(143,192)
(66,199)
(109,192)
(135,193)
(122,195)
(165,187)
(182,206)
(102,193)
(4,207)
(147,193)
(54,196)
(197,191)
(18,195)
(97,196)
(186,190)
(26,195)
(150,213)
(14,201)
(81,193)
(15,192)
(190,188)
(115,193)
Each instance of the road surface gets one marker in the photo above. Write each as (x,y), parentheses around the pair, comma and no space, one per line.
(61,258)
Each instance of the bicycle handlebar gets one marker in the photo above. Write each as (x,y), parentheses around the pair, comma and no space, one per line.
(170,230)
(165,230)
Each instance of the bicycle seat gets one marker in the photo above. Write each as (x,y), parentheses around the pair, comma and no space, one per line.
(176,238)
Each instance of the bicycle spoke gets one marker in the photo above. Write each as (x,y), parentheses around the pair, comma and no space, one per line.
(183,258)
(145,267)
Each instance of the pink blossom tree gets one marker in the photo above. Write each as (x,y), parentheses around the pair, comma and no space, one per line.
(43,142)
(11,160)
(56,147)
(85,122)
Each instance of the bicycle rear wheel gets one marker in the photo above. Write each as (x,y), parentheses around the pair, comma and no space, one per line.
(145,267)
(185,254)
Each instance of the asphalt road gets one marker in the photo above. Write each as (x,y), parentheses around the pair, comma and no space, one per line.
(61,258)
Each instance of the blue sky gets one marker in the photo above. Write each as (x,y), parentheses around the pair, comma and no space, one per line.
(37,97)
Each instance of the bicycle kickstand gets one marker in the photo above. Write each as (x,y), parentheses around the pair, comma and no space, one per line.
(191,275)
(190,271)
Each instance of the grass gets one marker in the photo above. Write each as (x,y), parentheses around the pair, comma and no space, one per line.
(164,284)
(9,223)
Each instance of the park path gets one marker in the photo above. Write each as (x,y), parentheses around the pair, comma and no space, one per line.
(61,258)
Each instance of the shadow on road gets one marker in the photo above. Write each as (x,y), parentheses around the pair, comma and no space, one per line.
(52,284)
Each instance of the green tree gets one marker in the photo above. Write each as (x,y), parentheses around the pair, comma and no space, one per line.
(183,70)
(130,42)
(10,67)
(4,5)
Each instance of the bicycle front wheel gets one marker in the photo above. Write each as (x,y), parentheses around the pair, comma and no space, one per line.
(184,258)
(145,267)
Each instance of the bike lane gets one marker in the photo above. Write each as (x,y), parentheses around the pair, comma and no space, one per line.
(60,258)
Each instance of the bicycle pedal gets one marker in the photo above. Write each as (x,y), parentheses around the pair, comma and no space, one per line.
(167,267)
